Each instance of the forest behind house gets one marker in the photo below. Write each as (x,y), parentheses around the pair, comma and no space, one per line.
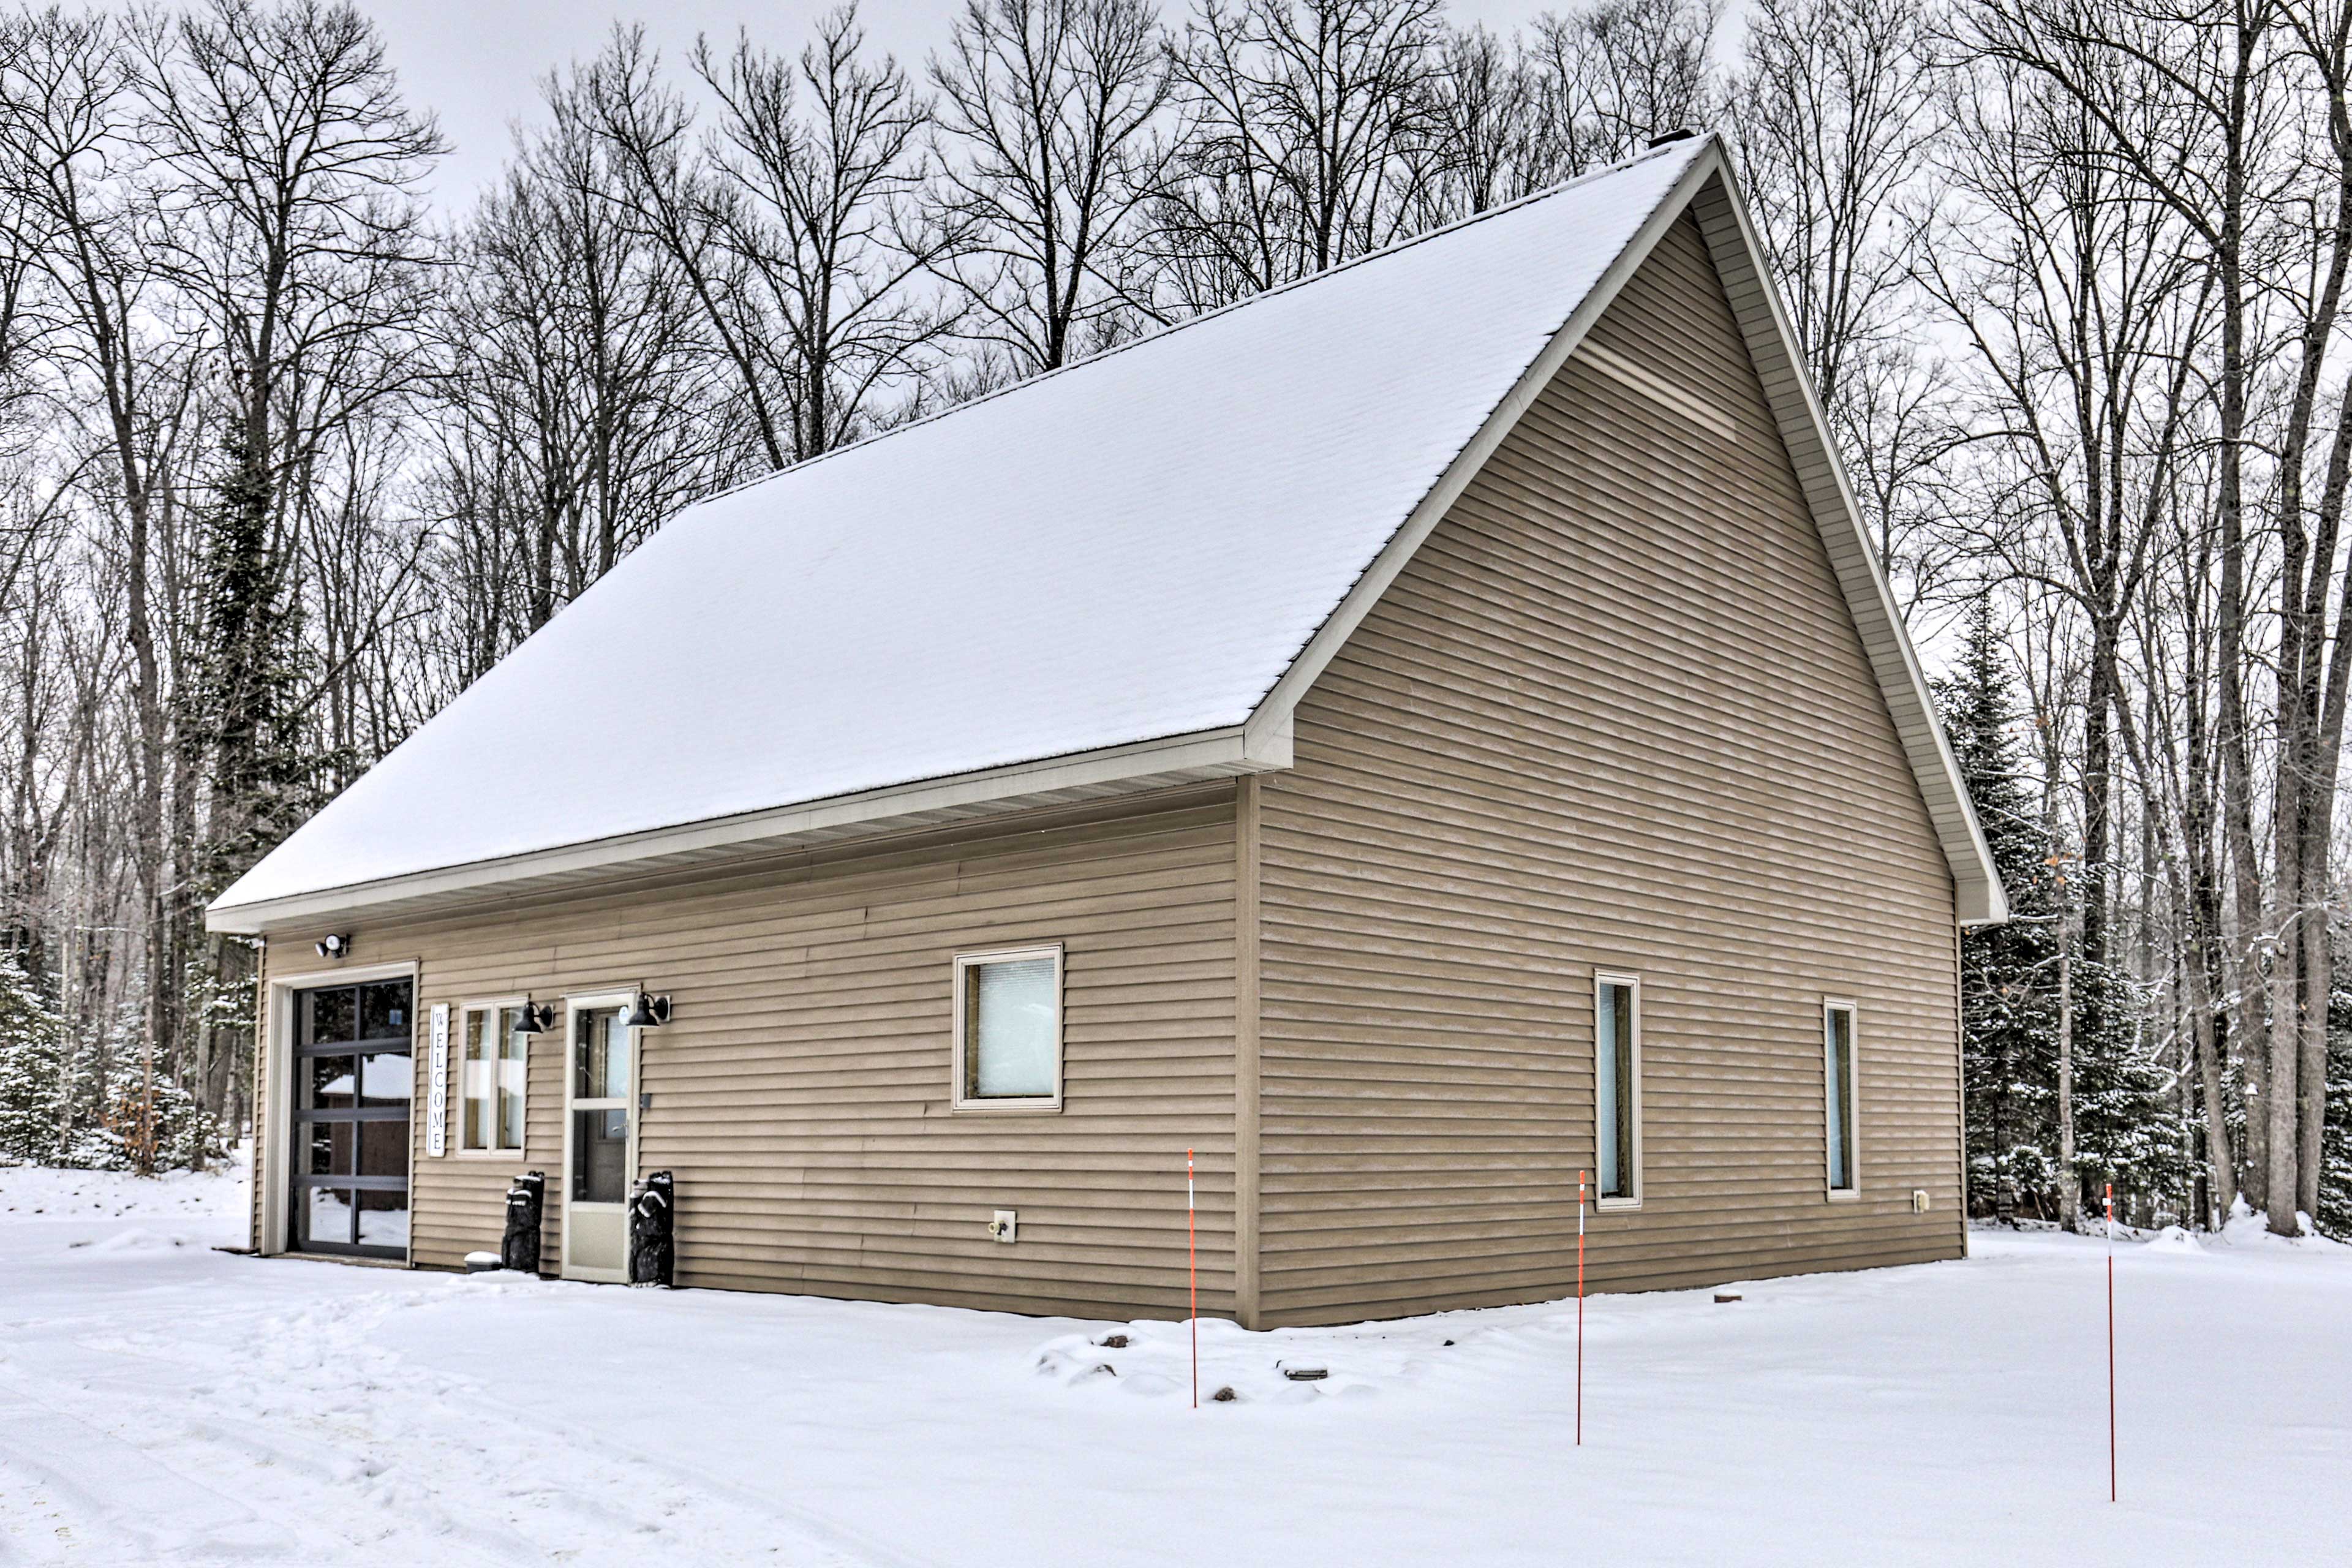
(289,456)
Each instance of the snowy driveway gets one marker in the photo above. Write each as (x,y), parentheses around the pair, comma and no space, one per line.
(163,1403)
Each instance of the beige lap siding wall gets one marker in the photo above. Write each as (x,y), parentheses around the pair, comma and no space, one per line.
(1614,714)
(800,1093)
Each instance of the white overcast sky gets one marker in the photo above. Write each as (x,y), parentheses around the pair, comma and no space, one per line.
(477,63)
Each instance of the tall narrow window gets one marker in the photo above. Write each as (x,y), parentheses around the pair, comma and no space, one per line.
(492,1075)
(1837,1068)
(1008,1032)
(1617,1087)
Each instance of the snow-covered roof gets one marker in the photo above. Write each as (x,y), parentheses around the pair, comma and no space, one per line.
(1100,574)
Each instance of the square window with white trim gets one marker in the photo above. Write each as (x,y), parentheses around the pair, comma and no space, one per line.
(1617,1088)
(1008,1030)
(1841,1101)
(492,1074)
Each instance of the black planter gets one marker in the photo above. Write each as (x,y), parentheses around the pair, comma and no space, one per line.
(653,1217)
(526,1204)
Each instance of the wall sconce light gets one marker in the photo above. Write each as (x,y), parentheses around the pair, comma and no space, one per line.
(536,1018)
(651,1011)
(334,944)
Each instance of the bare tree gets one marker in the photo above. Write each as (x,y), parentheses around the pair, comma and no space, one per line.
(2231,117)
(294,222)
(72,114)
(818,212)
(1611,77)
(2081,304)
(1835,111)
(1308,130)
(288,171)
(581,404)
(1489,142)
(1050,112)
(793,222)
(2169,740)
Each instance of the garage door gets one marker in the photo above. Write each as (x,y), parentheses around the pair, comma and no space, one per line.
(354,1074)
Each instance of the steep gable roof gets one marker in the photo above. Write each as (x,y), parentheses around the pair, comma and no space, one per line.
(1121,575)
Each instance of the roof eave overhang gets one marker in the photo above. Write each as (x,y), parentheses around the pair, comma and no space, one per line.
(1139,768)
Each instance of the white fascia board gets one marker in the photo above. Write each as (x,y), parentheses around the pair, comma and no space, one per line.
(1204,754)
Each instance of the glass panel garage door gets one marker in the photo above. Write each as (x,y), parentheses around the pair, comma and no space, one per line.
(353,1073)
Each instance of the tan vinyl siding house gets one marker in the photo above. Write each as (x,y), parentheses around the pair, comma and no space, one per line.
(836,1168)
(1615,698)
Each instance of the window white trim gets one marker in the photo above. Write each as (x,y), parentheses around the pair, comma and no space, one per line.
(501,1152)
(1631,982)
(996,1104)
(1830,1006)
(278,1144)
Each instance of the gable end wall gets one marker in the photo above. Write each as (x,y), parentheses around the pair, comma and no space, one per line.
(1615,714)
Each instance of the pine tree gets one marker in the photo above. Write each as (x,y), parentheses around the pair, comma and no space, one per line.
(2335,1216)
(246,717)
(2009,993)
(36,1081)
(2125,1127)
(264,778)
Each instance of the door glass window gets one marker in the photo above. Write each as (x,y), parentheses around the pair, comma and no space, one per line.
(326,1149)
(329,1083)
(384,1221)
(604,1055)
(328,1016)
(387,1079)
(600,1113)
(326,1216)
(599,1155)
(383,1011)
(383,1149)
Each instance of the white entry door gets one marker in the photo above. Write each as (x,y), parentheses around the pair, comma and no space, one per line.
(600,1128)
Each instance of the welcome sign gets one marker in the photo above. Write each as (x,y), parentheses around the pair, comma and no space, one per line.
(437,1099)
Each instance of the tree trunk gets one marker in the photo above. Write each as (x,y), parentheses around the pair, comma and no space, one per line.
(2249,1032)
(2280,1105)
(2070,1186)
(2221,1162)
(2098,793)
(2316,951)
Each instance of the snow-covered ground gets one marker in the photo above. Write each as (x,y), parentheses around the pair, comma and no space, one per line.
(163,1402)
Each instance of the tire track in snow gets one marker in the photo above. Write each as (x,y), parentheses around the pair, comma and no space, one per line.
(306,1408)
(59,1458)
